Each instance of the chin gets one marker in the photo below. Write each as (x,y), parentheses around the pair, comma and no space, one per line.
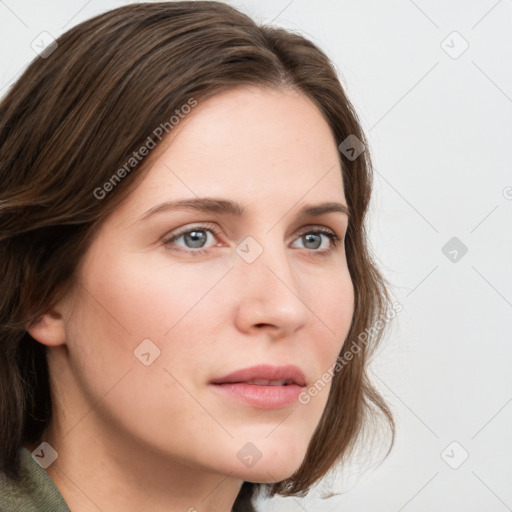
(273,467)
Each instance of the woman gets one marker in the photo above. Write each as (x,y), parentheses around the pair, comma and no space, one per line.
(187,289)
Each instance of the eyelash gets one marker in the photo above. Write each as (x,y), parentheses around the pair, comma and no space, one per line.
(333,237)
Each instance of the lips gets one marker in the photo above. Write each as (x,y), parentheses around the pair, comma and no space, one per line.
(262,386)
(265,375)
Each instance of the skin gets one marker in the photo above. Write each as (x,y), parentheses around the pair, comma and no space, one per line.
(133,437)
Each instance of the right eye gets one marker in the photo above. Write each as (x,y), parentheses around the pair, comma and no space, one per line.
(195,240)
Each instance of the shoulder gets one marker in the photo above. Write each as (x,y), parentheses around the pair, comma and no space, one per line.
(33,491)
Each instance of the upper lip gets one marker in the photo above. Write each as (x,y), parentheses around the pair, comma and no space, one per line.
(264,371)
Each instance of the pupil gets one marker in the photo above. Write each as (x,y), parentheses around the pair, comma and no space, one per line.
(195,239)
(311,242)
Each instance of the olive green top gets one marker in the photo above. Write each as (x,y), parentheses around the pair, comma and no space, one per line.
(33,492)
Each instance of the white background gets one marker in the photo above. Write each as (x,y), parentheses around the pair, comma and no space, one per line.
(440,132)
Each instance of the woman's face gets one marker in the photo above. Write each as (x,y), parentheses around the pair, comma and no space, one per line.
(171,299)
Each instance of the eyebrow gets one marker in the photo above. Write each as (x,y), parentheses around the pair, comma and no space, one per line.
(227,207)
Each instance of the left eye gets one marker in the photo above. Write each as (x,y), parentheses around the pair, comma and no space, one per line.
(313,239)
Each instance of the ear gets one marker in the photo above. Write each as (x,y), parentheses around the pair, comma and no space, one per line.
(49,329)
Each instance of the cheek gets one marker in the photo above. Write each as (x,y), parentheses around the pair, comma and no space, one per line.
(135,299)
(119,307)
(148,296)
(335,308)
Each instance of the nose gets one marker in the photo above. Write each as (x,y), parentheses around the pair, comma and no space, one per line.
(270,294)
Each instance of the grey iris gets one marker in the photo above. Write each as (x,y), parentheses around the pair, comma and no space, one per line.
(311,242)
(195,239)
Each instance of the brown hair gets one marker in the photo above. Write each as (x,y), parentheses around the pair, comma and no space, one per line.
(77,115)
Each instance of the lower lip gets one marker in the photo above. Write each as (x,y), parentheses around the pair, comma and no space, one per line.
(261,397)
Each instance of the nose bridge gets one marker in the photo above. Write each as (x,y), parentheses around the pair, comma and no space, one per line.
(266,261)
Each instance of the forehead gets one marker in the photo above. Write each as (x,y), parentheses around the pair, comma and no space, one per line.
(247,144)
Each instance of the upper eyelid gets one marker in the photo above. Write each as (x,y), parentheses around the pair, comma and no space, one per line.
(310,227)
(182,231)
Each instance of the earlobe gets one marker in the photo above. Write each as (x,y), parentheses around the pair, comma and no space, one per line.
(48,329)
